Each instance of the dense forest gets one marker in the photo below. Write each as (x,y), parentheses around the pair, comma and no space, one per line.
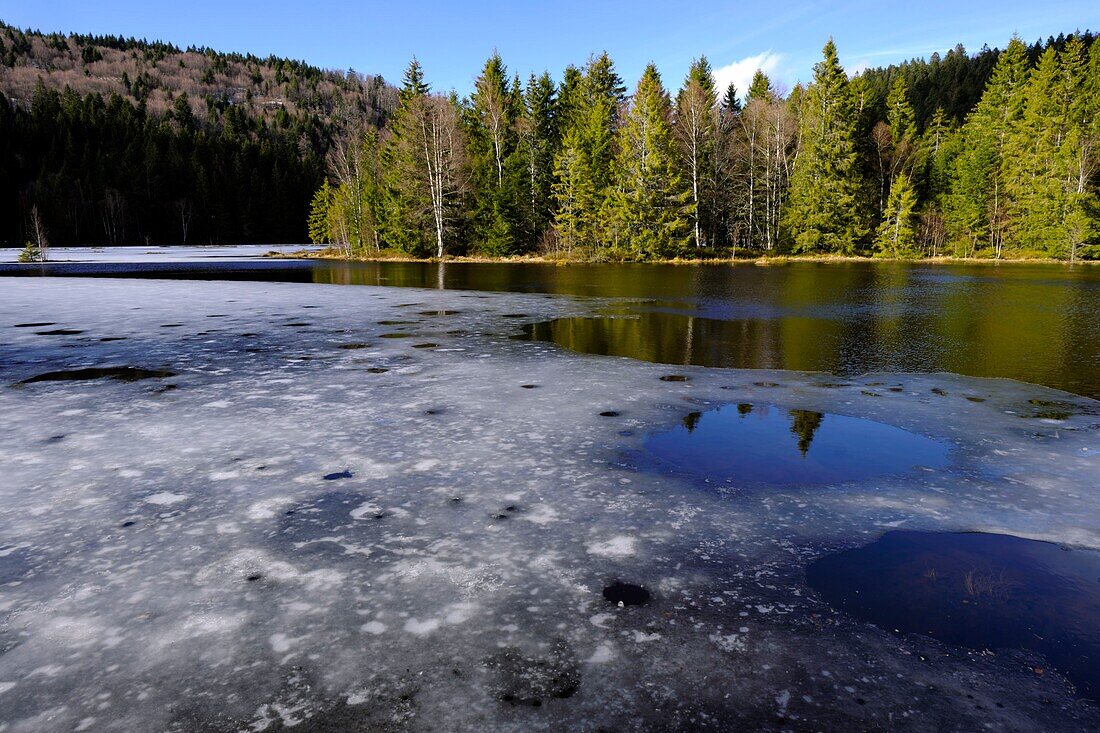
(990,155)
(109,140)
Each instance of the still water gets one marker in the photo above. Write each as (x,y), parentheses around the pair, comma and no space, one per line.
(1035,323)
(984,591)
(768,445)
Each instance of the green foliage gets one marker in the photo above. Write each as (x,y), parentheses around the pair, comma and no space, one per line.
(320,228)
(897,234)
(497,166)
(826,213)
(583,165)
(650,204)
(30,253)
(697,135)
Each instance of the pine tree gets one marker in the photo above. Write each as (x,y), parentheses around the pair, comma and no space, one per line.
(538,139)
(731,102)
(651,204)
(760,88)
(319,231)
(696,128)
(976,205)
(825,213)
(1035,166)
(425,170)
(583,165)
(497,197)
(897,234)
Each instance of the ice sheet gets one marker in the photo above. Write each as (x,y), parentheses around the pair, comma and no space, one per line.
(173,557)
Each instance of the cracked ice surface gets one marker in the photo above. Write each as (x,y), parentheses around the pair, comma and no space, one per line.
(305,535)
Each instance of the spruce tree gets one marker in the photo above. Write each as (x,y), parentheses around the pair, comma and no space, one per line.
(651,204)
(976,205)
(897,234)
(538,139)
(825,212)
(583,165)
(696,130)
(495,171)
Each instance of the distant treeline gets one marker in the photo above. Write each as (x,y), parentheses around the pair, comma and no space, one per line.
(111,140)
(990,155)
(120,141)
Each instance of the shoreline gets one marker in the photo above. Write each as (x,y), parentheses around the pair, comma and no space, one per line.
(763,260)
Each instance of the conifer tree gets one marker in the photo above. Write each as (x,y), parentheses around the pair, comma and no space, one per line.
(731,102)
(651,204)
(495,170)
(583,165)
(319,231)
(976,205)
(538,139)
(825,212)
(425,169)
(696,128)
(897,234)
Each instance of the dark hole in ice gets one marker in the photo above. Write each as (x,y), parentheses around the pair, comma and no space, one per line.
(254,577)
(353,346)
(978,590)
(55,438)
(39,324)
(764,444)
(338,475)
(515,315)
(113,338)
(434,411)
(377,370)
(627,594)
(529,386)
(171,325)
(298,324)
(869,393)
(396,323)
(675,378)
(609,413)
(439,313)
(123,373)
(128,523)
(59,332)
(395,335)
(425,346)
(975,399)
(938,391)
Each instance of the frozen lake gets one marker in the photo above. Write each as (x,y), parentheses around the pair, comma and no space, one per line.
(245,505)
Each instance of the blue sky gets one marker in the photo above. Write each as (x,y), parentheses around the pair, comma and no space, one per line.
(452,39)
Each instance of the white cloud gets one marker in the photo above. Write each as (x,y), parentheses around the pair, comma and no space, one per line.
(741,72)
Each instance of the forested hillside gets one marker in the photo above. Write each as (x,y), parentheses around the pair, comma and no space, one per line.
(991,155)
(122,141)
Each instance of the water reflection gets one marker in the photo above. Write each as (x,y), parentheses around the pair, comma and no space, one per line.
(1036,323)
(983,591)
(747,444)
